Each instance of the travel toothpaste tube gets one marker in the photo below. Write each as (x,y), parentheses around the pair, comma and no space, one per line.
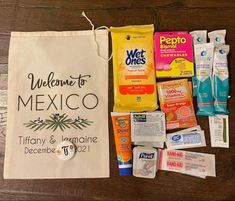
(185,162)
(220,79)
(199,37)
(144,162)
(133,69)
(219,131)
(217,37)
(122,136)
(204,62)
(148,127)
(185,140)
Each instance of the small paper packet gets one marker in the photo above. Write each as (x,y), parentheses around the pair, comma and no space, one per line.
(217,37)
(148,127)
(199,36)
(150,144)
(219,131)
(144,162)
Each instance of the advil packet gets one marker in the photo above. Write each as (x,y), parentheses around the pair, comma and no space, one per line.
(133,69)
(176,101)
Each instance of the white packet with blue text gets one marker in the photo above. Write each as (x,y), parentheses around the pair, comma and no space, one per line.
(186,140)
(217,37)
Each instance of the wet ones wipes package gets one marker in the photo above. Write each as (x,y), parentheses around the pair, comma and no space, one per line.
(173,54)
(133,69)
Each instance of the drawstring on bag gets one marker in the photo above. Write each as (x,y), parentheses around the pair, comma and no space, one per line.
(94,37)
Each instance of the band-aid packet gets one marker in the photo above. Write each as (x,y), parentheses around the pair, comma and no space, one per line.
(144,162)
(173,54)
(185,162)
(190,139)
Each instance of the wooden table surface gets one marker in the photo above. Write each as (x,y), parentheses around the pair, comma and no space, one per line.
(167,15)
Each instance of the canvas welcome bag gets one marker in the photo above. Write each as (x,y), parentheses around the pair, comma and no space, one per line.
(57,91)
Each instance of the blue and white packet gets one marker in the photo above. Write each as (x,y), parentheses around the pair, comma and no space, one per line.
(203,63)
(179,140)
(221,79)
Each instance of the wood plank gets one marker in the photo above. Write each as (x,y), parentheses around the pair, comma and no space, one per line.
(123,4)
(42,15)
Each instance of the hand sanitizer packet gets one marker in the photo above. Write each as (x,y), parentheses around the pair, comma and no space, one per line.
(144,162)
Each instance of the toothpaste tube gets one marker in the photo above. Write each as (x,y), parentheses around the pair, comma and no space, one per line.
(203,63)
(217,37)
(220,79)
(122,136)
(199,36)
(144,162)
(219,131)
(148,127)
(186,140)
(185,162)
(150,144)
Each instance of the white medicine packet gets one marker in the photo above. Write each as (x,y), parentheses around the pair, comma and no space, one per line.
(194,128)
(185,140)
(150,144)
(217,37)
(219,131)
(199,36)
(144,162)
(148,127)
(185,162)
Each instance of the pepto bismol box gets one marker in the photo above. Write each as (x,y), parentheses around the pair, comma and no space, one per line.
(173,54)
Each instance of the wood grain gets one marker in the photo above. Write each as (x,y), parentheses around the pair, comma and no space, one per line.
(168,15)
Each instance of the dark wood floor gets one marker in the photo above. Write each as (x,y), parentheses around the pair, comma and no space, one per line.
(167,15)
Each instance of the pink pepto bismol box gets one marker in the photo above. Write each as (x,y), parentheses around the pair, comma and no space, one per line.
(173,54)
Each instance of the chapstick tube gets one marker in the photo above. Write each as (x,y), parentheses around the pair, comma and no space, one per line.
(122,136)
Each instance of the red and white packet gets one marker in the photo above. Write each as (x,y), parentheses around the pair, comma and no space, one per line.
(186,162)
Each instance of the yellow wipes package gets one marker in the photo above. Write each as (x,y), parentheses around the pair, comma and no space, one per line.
(133,69)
